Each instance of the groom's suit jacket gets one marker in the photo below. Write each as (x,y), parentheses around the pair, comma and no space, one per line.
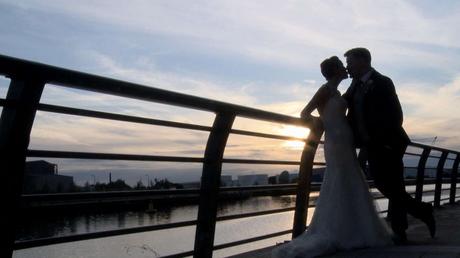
(382,115)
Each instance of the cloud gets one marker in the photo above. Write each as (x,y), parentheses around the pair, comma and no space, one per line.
(294,33)
(170,81)
(433,111)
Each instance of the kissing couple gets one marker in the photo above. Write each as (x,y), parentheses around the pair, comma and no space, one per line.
(345,217)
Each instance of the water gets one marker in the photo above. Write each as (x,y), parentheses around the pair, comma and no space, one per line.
(164,242)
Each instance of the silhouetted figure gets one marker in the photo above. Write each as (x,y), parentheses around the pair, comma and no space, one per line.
(376,118)
(345,216)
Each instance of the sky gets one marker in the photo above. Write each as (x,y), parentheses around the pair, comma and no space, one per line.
(262,54)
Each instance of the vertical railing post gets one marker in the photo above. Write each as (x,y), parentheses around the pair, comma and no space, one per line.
(453,179)
(421,173)
(438,184)
(304,183)
(210,183)
(15,126)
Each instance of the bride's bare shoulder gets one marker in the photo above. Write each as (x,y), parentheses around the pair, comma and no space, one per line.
(324,92)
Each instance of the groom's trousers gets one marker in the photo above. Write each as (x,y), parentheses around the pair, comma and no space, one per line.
(387,168)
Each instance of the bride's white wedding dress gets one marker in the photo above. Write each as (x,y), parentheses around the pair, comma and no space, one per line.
(345,216)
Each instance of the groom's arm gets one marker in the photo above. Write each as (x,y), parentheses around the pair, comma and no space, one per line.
(390,115)
(391,107)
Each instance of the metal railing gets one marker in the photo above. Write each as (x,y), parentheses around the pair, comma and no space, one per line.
(28,80)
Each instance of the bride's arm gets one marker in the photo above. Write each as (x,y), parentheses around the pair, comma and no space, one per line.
(316,102)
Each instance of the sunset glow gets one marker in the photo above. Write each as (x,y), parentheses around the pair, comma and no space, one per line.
(298,132)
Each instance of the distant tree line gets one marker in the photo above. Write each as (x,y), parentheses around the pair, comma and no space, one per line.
(282,178)
(120,185)
(117,185)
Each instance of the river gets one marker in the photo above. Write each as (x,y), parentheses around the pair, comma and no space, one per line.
(163,242)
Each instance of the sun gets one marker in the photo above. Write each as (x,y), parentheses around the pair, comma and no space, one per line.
(294,131)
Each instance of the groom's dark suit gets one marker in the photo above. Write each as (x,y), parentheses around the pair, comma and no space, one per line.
(376,117)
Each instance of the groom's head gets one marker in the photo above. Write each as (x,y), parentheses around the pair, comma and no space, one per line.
(358,61)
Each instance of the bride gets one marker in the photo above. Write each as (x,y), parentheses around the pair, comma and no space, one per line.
(345,217)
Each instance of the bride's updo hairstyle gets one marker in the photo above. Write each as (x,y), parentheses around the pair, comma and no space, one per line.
(330,66)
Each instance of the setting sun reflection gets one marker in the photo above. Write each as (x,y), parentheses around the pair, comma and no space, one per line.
(294,131)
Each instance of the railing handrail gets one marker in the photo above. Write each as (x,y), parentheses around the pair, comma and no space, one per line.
(15,67)
(436,148)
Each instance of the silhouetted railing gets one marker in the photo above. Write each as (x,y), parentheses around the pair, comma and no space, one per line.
(28,80)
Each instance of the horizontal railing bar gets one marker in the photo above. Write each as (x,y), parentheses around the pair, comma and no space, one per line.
(420,145)
(106,194)
(265,135)
(22,244)
(119,117)
(258,187)
(319,163)
(136,157)
(272,162)
(254,214)
(252,239)
(151,121)
(108,156)
(262,161)
(412,154)
(14,67)
(258,161)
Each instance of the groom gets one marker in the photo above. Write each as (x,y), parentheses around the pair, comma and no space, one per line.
(376,117)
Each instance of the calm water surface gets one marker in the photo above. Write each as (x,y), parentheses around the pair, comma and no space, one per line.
(164,242)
